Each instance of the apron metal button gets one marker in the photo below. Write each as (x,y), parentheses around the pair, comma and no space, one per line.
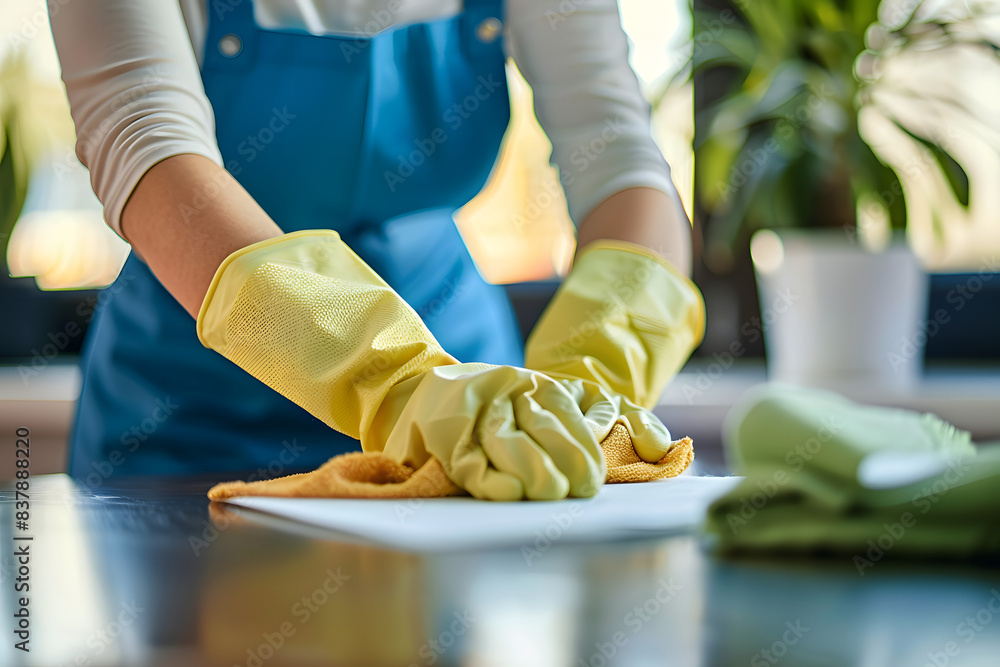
(230,46)
(488,31)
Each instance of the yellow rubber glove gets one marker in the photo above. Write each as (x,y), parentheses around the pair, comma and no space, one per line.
(602,409)
(623,318)
(500,433)
(307,317)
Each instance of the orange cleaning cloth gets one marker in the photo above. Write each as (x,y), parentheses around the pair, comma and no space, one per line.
(375,475)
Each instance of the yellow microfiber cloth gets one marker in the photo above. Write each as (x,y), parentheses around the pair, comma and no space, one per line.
(375,475)
(625,466)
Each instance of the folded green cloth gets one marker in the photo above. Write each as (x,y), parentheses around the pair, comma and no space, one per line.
(801,450)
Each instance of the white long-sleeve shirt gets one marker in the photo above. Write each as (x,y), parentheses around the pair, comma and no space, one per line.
(131,69)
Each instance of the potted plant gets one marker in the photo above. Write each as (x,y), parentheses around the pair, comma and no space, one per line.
(786,145)
(14,153)
(35,127)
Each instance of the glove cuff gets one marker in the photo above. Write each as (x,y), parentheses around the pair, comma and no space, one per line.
(305,249)
(614,245)
(307,317)
(624,318)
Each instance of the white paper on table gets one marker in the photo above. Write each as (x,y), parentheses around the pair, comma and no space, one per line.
(619,511)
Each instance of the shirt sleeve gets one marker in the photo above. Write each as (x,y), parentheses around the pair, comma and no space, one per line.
(574,55)
(134,90)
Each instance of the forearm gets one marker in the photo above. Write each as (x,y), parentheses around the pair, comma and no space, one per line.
(646,217)
(187,215)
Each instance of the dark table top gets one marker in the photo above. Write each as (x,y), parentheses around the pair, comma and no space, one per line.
(150,574)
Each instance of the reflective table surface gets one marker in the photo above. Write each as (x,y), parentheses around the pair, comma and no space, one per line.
(150,573)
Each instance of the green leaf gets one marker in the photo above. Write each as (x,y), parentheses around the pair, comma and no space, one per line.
(956,175)
(13,187)
(752,172)
(736,48)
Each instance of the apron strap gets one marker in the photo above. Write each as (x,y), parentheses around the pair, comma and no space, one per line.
(231,37)
(232,32)
(481,22)
(491,5)
(227,16)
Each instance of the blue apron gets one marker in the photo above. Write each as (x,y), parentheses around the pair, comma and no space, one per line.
(380,138)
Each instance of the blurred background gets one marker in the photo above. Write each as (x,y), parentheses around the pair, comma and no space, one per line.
(839,160)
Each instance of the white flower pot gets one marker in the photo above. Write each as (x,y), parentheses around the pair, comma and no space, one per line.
(836,315)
